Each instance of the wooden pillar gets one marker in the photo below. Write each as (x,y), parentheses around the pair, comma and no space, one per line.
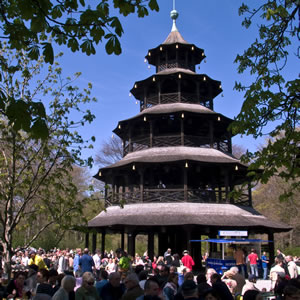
(113,189)
(226,186)
(185,183)
(182,131)
(159,93)
(131,243)
(151,133)
(211,134)
(151,245)
(198,92)
(129,140)
(145,98)
(141,172)
(103,241)
(87,237)
(179,90)
(211,104)
(229,143)
(196,250)
(271,248)
(250,193)
(94,242)
(162,243)
(122,240)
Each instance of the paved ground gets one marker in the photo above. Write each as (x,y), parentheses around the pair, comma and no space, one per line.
(260,284)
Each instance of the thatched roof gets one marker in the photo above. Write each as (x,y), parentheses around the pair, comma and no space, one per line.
(171,214)
(176,153)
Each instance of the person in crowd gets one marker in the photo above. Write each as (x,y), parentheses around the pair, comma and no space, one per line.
(44,287)
(239,257)
(86,262)
(189,290)
(234,274)
(275,270)
(154,263)
(102,282)
(280,255)
(63,263)
(253,258)
(25,258)
(16,287)
(151,291)
(111,266)
(176,261)
(170,288)
(143,278)
(97,262)
(87,289)
(250,285)
(187,260)
(67,285)
(124,264)
(281,283)
(203,286)
(76,260)
(163,275)
(291,292)
(220,287)
(264,263)
(292,267)
(212,294)
(251,295)
(209,273)
(114,289)
(133,289)
(187,276)
(31,280)
(36,259)
(168,258)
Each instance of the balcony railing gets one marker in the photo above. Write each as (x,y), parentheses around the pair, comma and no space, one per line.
(175,195)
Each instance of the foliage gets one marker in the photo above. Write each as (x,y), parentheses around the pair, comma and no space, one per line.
(34,25)
(37,188)
(271,104)
(265,200)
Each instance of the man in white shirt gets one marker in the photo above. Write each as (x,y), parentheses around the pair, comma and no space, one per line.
(293,270)
(97,261)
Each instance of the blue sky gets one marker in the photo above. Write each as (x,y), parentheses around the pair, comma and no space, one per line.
(214,26)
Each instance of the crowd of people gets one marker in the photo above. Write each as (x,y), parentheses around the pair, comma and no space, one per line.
(76,274)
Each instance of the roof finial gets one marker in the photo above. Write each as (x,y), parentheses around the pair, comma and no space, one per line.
(174,15)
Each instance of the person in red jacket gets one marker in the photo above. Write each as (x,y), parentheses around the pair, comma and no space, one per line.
(187,260)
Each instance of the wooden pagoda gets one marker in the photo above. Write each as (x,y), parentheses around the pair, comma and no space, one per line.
(178,170)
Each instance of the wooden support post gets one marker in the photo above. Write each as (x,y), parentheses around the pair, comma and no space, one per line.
(103,241)
(211,134)
(94,242)
(131,244)
(182,131)
(185,183)
(271,248)
(151,133)
(87,242)
(151,245)
(141,172)
(122,240)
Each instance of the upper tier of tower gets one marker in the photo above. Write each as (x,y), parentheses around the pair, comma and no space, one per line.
(175,79)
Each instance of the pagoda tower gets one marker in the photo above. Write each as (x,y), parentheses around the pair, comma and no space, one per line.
(178,171)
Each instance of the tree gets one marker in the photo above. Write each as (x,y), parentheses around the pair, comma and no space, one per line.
(33,25)
(110,152)
(36,175)
(271,102)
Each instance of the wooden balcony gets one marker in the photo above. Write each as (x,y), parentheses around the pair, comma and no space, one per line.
(175,195)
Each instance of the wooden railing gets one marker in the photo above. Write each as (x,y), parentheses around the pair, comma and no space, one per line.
(175,64)
(174,195)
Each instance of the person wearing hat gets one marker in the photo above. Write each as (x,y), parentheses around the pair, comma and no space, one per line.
(37,260)
(189,290)
(250,284)
(187,260)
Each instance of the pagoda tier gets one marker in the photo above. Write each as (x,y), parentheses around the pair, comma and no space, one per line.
(175,174)
(176,85)
(176,124)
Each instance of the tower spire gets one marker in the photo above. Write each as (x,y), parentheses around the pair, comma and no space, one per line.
(174,15)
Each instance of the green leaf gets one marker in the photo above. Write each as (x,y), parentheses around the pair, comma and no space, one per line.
(39,129)
(48,52)
(73,44)
(153,5)
(117,26)
(34,52)
(88,47)
(113,46)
